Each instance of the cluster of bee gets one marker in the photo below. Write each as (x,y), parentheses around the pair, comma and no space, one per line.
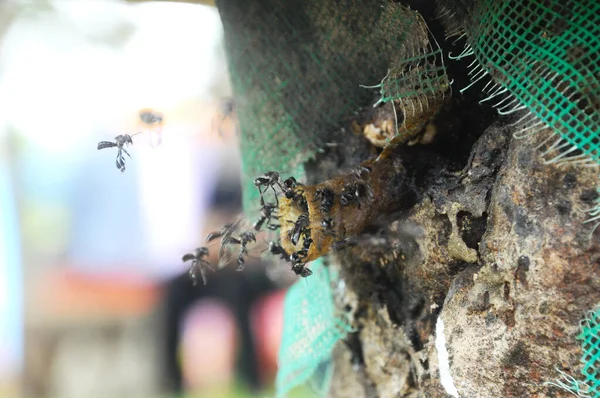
(292,191)
(148,118)
(230,235)
(311,219)
(321,214)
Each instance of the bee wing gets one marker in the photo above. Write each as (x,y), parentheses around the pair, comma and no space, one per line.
(228,249)
(187,257)
(227,252)
(234,228)
(106,144)
(212,236)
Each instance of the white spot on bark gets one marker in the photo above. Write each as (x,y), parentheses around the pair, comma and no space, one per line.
(443,359)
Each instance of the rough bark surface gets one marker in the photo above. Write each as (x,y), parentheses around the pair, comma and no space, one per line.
(498,252)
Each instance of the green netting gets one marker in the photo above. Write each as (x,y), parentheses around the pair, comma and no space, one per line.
(546,54)
(310,329)
(590,336)
(296,68)
(417,76)
(417,81)
(594,215)
(321,379)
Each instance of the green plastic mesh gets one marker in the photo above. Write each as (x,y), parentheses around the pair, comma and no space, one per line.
(546,55)
(417,69)
(310,330)
(320,382)
(417,81)
(296,68)
(590,337)
(417,76)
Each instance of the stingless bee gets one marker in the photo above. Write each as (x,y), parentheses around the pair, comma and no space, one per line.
(271,179)
(150,117)
(353,192)
(288,187)
(298,266)
(327,224)
(299,228)
(120,142)
(348,196)
(199,263)
(242,240)
(268,180)
(276,250)
(266,214)
(229,241)
(326,198)
(152,120)
(226,110)
(297,256)
(217,234)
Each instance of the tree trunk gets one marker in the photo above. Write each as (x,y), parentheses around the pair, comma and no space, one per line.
(498,255)
(490,262)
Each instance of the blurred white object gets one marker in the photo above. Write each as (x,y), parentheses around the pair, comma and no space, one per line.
(11,285)
(73,74)
(176,184)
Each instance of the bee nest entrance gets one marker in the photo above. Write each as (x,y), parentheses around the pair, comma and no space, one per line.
(334,210)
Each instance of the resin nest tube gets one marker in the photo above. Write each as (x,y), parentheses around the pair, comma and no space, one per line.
(319,218)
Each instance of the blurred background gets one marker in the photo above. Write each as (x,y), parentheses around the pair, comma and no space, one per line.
(94,298)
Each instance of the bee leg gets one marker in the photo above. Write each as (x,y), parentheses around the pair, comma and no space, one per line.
(120,163)
(203,275)
(207,266)
(241,261)
(296,264)
(194,273)
(297,268)
(262,199)
(126,153)
(275,193)
(204,268)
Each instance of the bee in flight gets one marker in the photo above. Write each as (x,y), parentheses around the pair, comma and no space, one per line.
(267,214)
(230,237)
(226,111)
(120,142)
(153,121)
(243,240)
(199,263)
(150,117)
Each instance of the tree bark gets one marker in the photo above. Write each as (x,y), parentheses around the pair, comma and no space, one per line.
(499,254)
